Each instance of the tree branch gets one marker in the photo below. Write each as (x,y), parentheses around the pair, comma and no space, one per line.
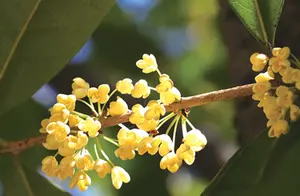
(16,147)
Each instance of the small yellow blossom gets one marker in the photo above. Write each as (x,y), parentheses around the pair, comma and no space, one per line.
(171,96)
(261,87)
(258,61)
(165,83)
(79,141)
(280,127)
(284,96)
(81,179)
(74,120)
(171,162)
(99,94)
(44,124)
(184,152)
(59,112)
(287,75)
(130,137)
(263,77)
(281,53)
(102,167)
(294,112)
(80,87)
(161,143)
(84,161)
(278,64)
(118,176)
(137,116)
(51,143)
(155,110)
(68,100)
(145,145)
(148,64)
(125,152)
(124,86)
(59,130)
(148,125)
(64,150)
(195,139)
(50,166)
(141,89)
(90,126)
(118,107)
(66,167)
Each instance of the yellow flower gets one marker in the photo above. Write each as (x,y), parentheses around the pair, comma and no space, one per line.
(80,87)
(50,166)
(66,167)
(74,120)
(124,86)
(59,130)
(82,180)
(165,83)
(64,150)
(102,167)
(171,96)
(171,162)
(44,124)
(155,110)
(184,152)
(91,126)
(287,75)
(263,77)
(130,138)
(261,87)
(141,89)
(99,94)
(84,160)
(258,61)
(282,53)
(118,176)
(59,112)
(148,125)
(77,142)
(280,127)
(137,116)
(285,96)
(145,145)
(161,143)
(294,112)
(51,143)
(148,64)
(278,64)
(118,107)
(68,100)
(195,139)
(125,152)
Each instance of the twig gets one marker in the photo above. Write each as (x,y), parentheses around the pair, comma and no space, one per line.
(186,102)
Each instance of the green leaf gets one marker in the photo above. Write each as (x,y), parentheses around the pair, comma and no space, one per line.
(37,38)
(264,167)
(19,180)
(260,17)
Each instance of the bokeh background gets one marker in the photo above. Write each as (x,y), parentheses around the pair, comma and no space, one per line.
(203,47)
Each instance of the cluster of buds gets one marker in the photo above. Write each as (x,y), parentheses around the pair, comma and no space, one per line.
(277,89)
(70,131)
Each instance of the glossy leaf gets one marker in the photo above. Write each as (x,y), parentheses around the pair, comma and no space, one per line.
(264,167)
(37,38)
(260,17)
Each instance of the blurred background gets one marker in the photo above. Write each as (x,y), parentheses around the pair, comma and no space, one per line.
(203,47)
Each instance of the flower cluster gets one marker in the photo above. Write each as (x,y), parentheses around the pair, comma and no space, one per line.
(69,131)
(277,88)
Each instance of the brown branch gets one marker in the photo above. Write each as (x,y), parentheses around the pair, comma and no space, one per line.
(186,102)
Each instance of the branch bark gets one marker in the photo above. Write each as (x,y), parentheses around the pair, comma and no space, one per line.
(16,147)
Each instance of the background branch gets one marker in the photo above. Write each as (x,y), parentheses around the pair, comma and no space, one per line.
(16,147)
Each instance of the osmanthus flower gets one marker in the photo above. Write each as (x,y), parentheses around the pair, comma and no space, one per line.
(154,110)
(74,120)
(258,61)
(44,124)
(50,166)
(59,112)
(80,87)
(161,143)
(165,83)
(68,100)
(284,96)
(186,153)
(280,59)
(64,149)
(195,139)
(125,152)
(141,89)
(279,128)
(171,162)
(100,94)
(59,130)
(263,77)
(148,63)
(102,167)
(66,167)
(81,179)
(79,141)
(84,160)
(170,96)
(118,176)
(118,107)
(51,143)
(131,137)
(145,145)
(90,126)
(294,112)
(124,86)
(137,116)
